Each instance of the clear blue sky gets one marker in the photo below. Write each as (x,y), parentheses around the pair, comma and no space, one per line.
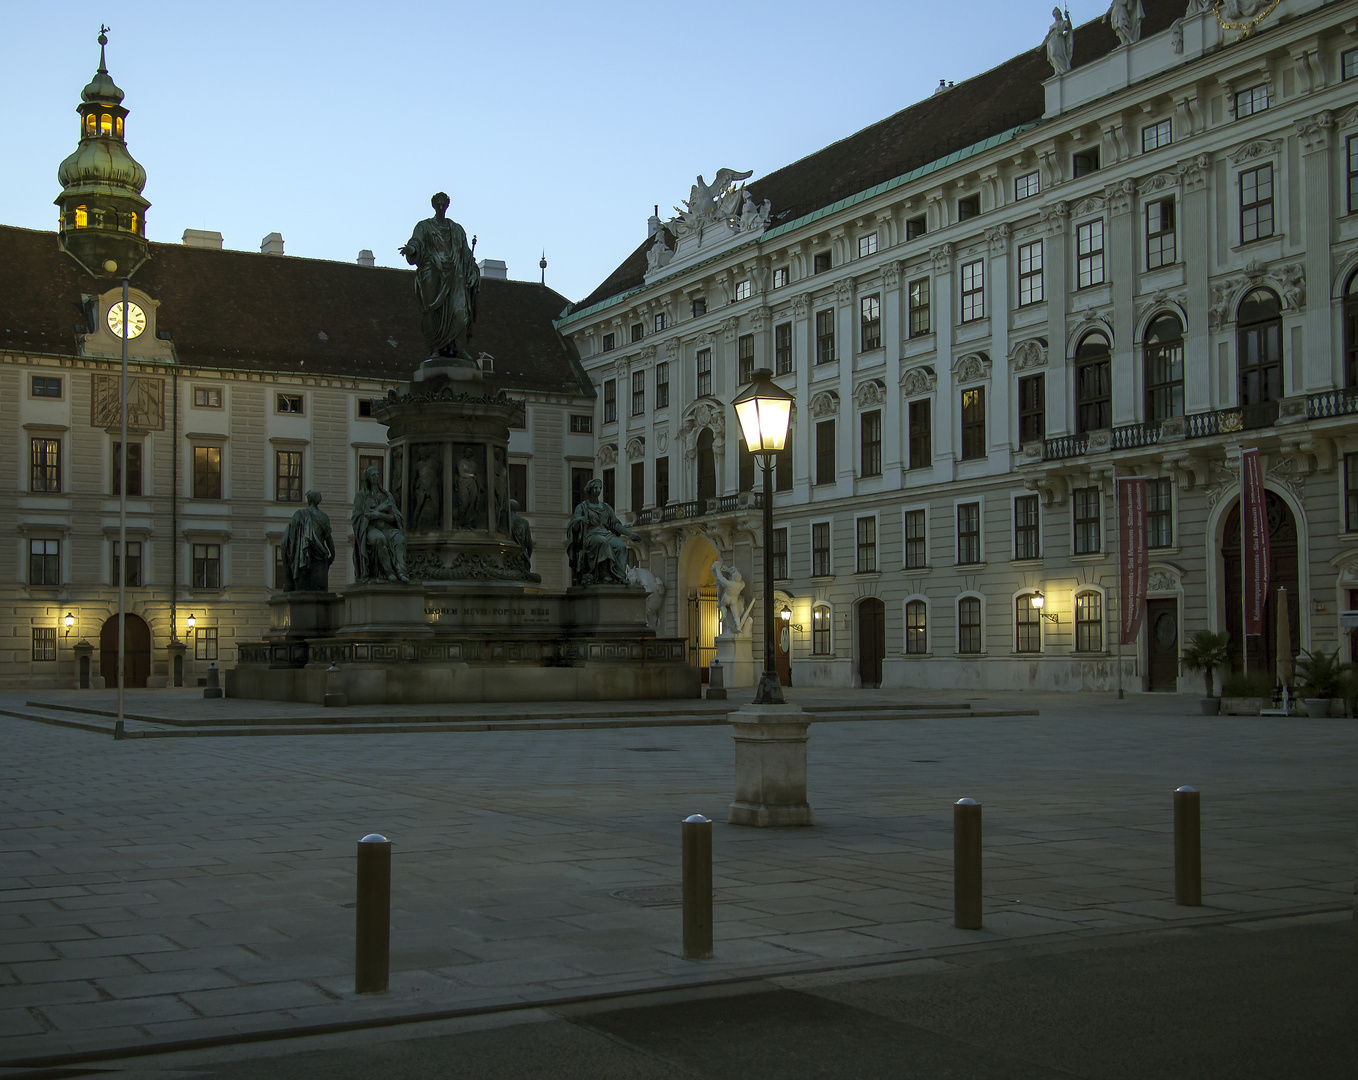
(553,126)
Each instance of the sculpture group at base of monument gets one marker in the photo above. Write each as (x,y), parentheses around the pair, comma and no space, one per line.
(595,543)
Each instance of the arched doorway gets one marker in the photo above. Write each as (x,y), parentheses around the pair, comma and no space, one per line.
(1282,571)
(707,468)
(700,591)
(871,641)
(138,667)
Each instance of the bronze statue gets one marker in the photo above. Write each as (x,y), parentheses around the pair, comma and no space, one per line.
(447,281)
(379,542)
(594,542)
(308,548)
(519,529)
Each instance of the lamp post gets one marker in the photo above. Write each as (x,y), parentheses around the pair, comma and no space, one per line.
(764,409)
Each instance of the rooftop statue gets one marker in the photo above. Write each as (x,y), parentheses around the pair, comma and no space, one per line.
(1060,41)
(708,204)
(308,548)
(379,539)
(447,281)
(1126,16)
(594,541)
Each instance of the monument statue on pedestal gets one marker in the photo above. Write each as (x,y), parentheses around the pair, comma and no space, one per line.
(379,539)
(447,282)
(730,584)
(655,593)
(594,543)
(308,548)
(519,530)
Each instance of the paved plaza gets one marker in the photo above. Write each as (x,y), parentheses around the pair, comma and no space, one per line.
(168,890)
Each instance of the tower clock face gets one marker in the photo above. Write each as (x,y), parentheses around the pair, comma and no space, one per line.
(136,320)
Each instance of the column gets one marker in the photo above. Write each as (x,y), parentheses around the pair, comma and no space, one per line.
(1122,261)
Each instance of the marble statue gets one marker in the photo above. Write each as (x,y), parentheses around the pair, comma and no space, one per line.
(308,548)
(730,584)
(659,253)
(519,529)
(655,593)
(1126,16)
(379,542)
(709,203)
(594,540)
(1060,41)
(755,216)
(447,281)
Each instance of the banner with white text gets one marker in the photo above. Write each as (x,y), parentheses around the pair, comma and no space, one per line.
(1133,556)
(1253,539)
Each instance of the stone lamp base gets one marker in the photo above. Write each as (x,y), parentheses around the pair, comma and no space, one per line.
(770,766)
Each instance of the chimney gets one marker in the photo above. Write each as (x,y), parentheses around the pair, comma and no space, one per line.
(653,223)
(493,268)
(272,244)
(200,238)
(366,258)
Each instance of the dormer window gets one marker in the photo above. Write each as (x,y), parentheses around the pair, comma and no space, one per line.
(105,123)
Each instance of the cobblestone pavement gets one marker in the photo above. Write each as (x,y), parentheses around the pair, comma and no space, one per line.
(163,890)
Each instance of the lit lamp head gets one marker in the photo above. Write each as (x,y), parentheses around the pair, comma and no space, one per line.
(764,409)
(785,614)
(69,622)
(192,622)
(1038,600)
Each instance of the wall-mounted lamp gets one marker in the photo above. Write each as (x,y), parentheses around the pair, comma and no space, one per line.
(786,616)
(1039,602)
(192,622)
(70,622)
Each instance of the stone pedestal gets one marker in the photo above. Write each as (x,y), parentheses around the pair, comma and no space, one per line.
(303,615)
(737,659)
(607,609)
(770,766)
(386,608)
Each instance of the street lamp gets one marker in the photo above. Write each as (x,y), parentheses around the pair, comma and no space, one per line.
(1039,602)
(764,409)
(69,621)
(191,621)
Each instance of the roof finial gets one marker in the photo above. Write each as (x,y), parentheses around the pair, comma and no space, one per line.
(542,264)
(103,40)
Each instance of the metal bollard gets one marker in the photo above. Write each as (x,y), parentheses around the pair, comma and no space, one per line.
(372,917)
(697,832)
(966,864)
(1187,847)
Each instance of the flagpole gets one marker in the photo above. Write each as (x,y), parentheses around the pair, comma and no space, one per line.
(118,730)
(1117,563)
(1244,577)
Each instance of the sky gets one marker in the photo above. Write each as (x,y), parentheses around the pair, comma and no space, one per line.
(552,127)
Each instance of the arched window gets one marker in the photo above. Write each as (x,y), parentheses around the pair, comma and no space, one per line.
(82,217)
(119,123)
(1088,622)
(91,124)
(969,625)
(707,468)
(1351,340)
(916,628)
(1027,624)
(105,124)
(1164,369)
(1259,356)
(132,219)
(1093,383)
(820,630)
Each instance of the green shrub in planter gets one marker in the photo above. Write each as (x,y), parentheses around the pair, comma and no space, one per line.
(1257,684)
(1206,652)
(1321,675)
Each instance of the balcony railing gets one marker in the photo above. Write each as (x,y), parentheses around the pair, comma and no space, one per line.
(722,504)
(1332,403)
(1195,426)
(1130,436)
(1065,446)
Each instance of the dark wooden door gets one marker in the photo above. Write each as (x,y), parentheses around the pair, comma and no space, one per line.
(1162,648)
(1282,570)
(707,470)
(138,667)
(871,641)
(782,651)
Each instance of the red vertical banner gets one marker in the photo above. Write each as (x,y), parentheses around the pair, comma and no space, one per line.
(1253,539)
(1133,556)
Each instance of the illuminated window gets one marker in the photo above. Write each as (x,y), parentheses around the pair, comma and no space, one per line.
(1089,622)
(132,221)
(1028,623)
(105,124)
(119,123)
(288,485)
(44,643)
(91,124)
(207,472)
(820,630)
(205,643)
(973,423)
(916,628)
(82,217)
(45,462)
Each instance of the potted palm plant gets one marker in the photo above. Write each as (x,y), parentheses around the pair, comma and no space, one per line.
(1321,676)
(1206,652)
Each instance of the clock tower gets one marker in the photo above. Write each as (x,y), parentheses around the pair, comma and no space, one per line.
(103,214)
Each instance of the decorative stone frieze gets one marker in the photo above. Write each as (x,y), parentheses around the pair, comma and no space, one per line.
(1120,196)
(942,258)
(1054,217)
(636,447)
(1193,172)
(729,328)
(825,403)
(973,367)
(1027,355)
(801,304)
(869,393)
(1256,148)
(844,289)
(917,381)
(1094,204)
(608,454)
(997,238)
(1314,132)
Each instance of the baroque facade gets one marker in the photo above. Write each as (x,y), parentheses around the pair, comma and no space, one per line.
(1131,252)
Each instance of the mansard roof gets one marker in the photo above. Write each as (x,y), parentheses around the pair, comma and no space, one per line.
(279,313)
(986,105)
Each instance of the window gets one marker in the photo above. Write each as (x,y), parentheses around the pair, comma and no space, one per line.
(782,468)
(1026,186)
(916,628)
(915,227)
(1160,240)
(207,472)
(1084,163)
(1027,624)
(825,336)
(579,478)
(662,481)
(917,304)
(1032,395)
(1256,203)
(638,478)
(869,323)
(44,643)
(1089,253)
(659,321)
(610,401)
(610,342)
(704,372)
(916,542)
(820,630)
(372,461)
(820,549)
(1030,273)
(1088,527)
(1154,136)
(1248,102)
(782,348)
(44,386)
(365,407)
(825,452)
(1351,492)
(638,332)
(973,424)
(699,306)
(44,562)
(778,555)
(743,290)
(870,443)
(745,358)
(45,459)
(662,385)
(1260,348)
(968,533)
(290,403)
(745,477)
(518,483)
(205,643)
(1164,369)
(1093,384)
(1351,334)
(133,564)
(921,434)
(638,393)
(1352,144)
(820,262)
(133,469)
(781,276)
(1089,622)
(581,424)
(207,397)
(867,546)
(1348,65)
(288,486)
(973,291)
(867,245)
(207,566)
(610,479)
(968,207)
(1160,512)
(969,625)
(1025,528)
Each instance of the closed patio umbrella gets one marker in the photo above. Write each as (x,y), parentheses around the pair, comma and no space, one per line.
(1284,657)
